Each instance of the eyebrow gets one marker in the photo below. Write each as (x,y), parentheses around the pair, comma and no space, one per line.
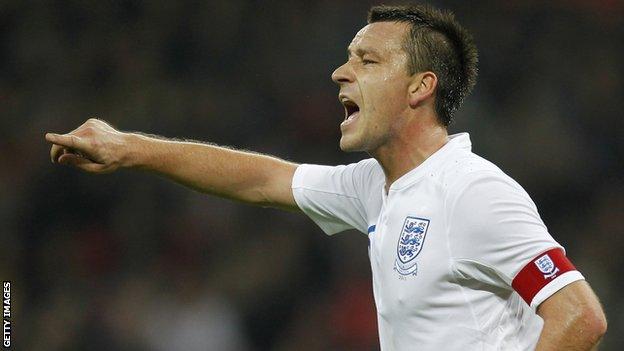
(362,52)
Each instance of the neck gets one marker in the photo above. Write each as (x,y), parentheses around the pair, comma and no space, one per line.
(408,150)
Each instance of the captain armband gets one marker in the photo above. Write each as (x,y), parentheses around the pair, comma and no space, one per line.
(541,271)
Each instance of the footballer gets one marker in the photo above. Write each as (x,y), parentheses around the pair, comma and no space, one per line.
(460,258)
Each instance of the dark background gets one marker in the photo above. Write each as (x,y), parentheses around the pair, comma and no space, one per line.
(129,261)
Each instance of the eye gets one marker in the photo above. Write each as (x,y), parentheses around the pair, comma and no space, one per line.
(367,62)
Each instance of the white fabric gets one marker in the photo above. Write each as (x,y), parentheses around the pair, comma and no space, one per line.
(481,229)
(563,280)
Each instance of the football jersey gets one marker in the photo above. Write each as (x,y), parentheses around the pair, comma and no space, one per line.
(460,257)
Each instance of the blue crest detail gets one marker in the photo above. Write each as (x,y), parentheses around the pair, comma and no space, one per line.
(410,244)
(546,265)
(412,238)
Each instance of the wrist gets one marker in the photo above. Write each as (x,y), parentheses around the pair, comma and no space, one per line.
(134,155)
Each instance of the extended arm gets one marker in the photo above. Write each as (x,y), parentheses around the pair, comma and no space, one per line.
(252,178)
(573,319)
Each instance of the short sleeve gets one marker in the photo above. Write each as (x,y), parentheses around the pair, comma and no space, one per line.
(498,238)
(330,195)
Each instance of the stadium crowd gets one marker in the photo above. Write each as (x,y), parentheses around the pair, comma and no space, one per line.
(129,261)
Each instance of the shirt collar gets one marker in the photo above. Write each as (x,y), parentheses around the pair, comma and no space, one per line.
(455,141)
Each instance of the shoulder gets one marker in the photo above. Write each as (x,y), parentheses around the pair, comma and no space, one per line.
(473,179)
(369,170)
(368,166)
(366,171)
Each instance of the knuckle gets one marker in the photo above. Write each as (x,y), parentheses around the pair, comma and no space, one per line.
(95,143)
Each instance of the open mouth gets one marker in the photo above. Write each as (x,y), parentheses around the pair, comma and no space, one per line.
(351,109)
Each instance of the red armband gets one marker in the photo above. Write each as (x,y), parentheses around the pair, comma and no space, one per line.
(539,272)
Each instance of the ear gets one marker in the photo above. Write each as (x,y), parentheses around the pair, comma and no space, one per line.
(423,87)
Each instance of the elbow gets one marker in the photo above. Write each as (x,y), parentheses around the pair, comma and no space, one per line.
(599,326)
(595,324)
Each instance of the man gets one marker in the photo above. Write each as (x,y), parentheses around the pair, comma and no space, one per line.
(459,255)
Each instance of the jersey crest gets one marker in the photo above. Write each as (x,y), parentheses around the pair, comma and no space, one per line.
(410,244)
(546,265)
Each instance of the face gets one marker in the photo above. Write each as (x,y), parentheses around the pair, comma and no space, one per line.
(373,86)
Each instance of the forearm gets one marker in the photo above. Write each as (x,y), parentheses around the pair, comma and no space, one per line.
(233,174)
(573,319)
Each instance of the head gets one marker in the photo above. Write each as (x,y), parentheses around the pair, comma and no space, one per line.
(408,62)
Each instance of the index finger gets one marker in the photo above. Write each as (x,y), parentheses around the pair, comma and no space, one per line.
(68,140)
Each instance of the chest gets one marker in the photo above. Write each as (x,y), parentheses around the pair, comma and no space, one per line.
(408,249)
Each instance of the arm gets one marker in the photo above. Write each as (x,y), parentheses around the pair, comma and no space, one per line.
(257,179)
(511,239)
(573,319)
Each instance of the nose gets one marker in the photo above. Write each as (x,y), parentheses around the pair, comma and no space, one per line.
(342,74)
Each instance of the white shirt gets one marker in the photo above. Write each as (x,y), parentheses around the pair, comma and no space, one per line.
(455,247)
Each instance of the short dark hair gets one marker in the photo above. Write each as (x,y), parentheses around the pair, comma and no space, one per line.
(438,43)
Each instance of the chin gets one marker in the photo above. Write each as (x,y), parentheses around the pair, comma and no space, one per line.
(350,145)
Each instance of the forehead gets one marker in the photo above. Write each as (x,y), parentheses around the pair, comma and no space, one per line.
(384,37)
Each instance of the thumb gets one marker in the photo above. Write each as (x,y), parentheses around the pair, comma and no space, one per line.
(81,162)
(73,159)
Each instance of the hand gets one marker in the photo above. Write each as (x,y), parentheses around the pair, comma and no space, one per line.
(94,147)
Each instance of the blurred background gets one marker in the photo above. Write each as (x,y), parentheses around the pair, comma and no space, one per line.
(129,261)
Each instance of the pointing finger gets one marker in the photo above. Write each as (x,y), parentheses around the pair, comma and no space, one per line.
(68,140)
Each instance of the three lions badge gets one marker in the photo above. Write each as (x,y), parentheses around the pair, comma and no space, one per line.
(546,265)
(410,244)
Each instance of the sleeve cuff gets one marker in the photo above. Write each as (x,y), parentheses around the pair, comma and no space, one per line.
(298,177)
(299,194)
(559,283)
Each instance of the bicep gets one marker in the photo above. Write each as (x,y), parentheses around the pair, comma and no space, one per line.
(330,195)
(277,188)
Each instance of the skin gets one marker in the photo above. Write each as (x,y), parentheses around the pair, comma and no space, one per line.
(255,179)
(396,125)
(573,319)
